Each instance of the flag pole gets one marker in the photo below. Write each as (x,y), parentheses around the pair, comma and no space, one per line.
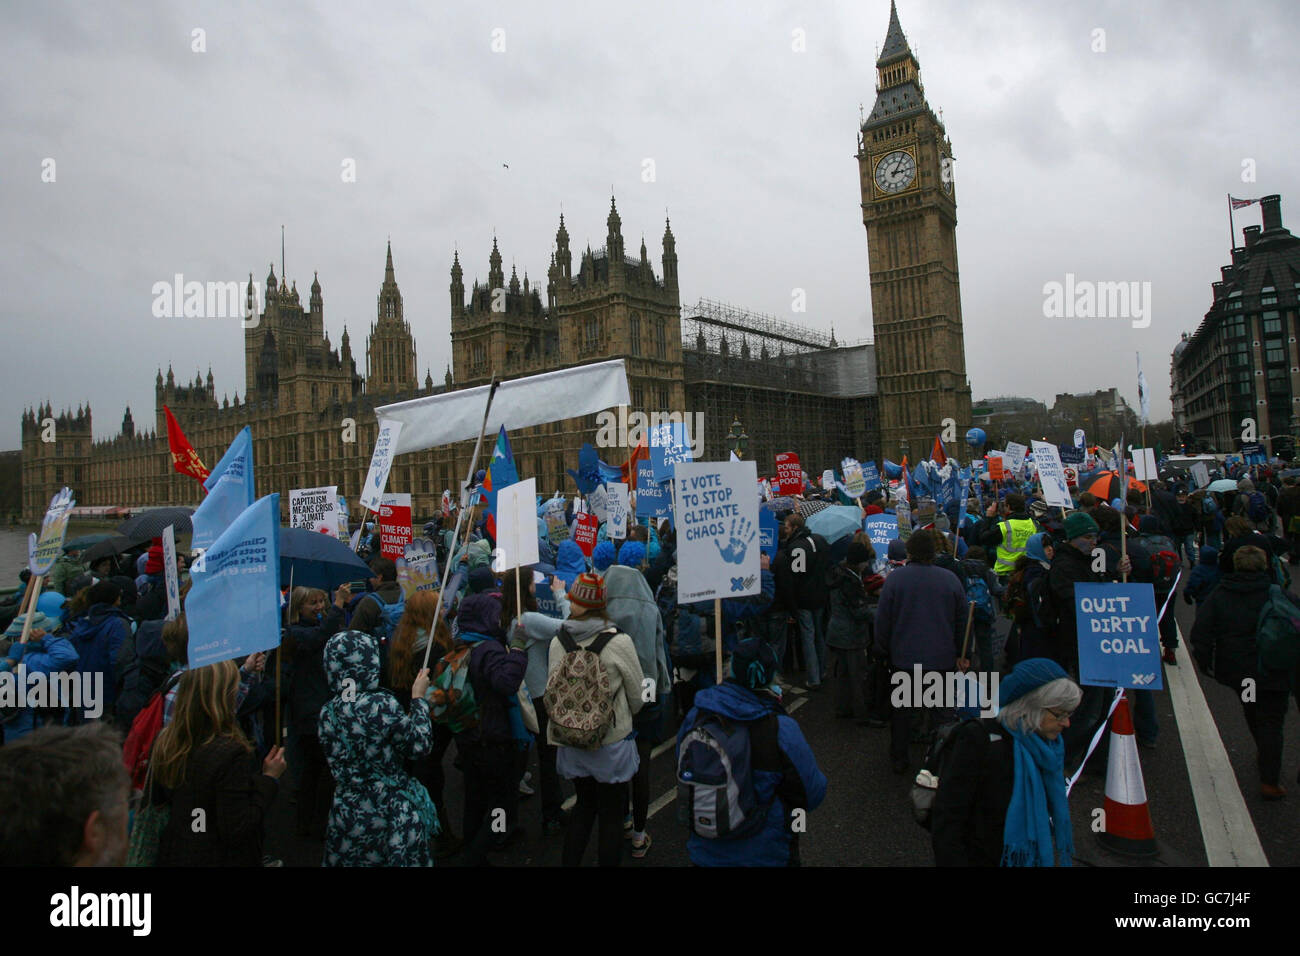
(1232,229)
(473,464)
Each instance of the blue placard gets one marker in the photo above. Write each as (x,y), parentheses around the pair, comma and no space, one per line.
(872,474)
(1118,635)
(669,444)
(768,532)
(882,529)
(653,500)
(1070,454)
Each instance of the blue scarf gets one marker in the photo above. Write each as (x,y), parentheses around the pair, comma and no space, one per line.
(1039,810)
(522,738)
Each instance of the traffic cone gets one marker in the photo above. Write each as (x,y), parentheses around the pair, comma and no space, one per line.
(1128,829)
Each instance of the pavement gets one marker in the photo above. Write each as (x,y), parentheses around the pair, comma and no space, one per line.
(1201,782)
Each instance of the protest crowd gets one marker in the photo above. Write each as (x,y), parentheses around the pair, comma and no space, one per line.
(580,662)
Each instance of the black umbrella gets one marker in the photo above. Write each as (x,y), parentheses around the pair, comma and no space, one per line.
(108,548)
(807,508)
(152,523)
(318,560)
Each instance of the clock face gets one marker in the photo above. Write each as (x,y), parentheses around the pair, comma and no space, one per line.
(895,171)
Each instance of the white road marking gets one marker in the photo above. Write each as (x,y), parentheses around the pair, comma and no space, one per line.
(1226,825)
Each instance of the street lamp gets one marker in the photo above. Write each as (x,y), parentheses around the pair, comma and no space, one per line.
(737,440)
(903,447)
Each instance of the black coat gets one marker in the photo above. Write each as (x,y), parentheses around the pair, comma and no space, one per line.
(1069,566)
(309,690)
(806,589)
(224,781)
(970,809)
(1223,637)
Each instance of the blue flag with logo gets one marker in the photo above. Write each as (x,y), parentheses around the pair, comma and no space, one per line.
(230,492)
(233,608)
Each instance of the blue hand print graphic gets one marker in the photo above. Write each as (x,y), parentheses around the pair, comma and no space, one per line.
(742,536)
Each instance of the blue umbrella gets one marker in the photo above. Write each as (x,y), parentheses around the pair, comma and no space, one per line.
(317,560)
(835,522)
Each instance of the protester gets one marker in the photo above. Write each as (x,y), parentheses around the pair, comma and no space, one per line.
(1165,569)
(848,632)
(97,638)
(1205,577)
(800,570)
(1002,798)
(1033,633)
(381,815)
(151,597)
(67,568)
(784,775)
(45,654)
(64,798)
(1224,642)
(203,767)
(313,621)
(1005,529)
(600,774)
(921,620)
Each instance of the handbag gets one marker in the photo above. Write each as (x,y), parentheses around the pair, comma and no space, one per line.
(150,821)
(527,711)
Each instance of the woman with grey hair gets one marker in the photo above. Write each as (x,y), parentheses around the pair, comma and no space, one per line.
(1001,798)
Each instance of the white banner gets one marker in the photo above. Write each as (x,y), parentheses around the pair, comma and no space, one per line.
(390,431)
(1051,475)
(717,530)
(437,420)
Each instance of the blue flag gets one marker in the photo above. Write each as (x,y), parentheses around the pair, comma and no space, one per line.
(233,609)
(500,474)
(588,475)
(230,492)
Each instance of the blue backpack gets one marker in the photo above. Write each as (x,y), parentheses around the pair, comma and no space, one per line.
(1257,509)
(389,615)
(716,761)
(977,592)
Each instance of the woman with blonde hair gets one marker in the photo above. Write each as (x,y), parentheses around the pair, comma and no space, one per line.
(205,768)
(405,657)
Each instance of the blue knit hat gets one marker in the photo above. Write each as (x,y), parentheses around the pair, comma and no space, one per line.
(603,556)
(632,554)
(1036,546)
(754,663)
(1029,675)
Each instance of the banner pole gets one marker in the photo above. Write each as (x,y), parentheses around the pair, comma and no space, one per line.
(446,572)
(717,636)
(970,621)
(35,591)
(279,658)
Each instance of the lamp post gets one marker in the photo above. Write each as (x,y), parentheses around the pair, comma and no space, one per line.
(737,440)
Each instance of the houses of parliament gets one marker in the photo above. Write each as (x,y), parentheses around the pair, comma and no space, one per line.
(785,385)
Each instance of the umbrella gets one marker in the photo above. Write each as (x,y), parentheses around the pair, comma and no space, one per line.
(109,547)
(153,522)
(835,522)
(1107,484)
(779,505)
(86,540)
(807,508)
(317,560)
(1223,484)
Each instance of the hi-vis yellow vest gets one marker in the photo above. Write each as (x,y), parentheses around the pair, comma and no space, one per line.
(1016,533)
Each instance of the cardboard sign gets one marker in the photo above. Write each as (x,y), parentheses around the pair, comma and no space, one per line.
(1144,464)
(855,482)
(1118,635)
(171,576)
(417,568)
(670,443)
(789,476)
(315,509)
(380,464)
(1051,475)
(598,503)
(881,529)
(996,470)
(717,530)
(42,552)
(1200,473)
(394,524)
(516,526)
(585,527)
(617,509)
(653,499)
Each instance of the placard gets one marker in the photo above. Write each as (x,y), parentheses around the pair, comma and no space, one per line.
(1118,635)
(417,568)
(653,500)
(315,509)
(881,529)
(1015,456)
(670,443)
(171,576)
(585,527)
(855,482)
(769,532)
(789,476)
(394,524)
(1200,473)
(42,552)
(598,503)
(617,508)
(516,526)
(717,530)
(1144,464)
(1051,475)
(871,475)
(997,472)
(380,463)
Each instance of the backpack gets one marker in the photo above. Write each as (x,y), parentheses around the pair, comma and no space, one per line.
(1257,509)
(926,785)
(1277,634)
(138,747)
(1165,563)
(716,761)
(454,704)
(578,704)
(977,592)
(389,615)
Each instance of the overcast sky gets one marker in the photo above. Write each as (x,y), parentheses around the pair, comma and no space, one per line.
(1109,165)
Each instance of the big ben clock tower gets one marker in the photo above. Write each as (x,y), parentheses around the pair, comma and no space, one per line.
(909,206)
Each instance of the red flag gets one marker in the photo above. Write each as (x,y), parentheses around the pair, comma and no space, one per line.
(641,453)
(184,458)
(939,456)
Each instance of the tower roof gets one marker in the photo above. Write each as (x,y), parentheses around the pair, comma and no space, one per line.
(388,266)
(895,47)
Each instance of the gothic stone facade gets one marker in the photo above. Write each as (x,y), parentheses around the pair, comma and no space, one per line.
(909,207)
